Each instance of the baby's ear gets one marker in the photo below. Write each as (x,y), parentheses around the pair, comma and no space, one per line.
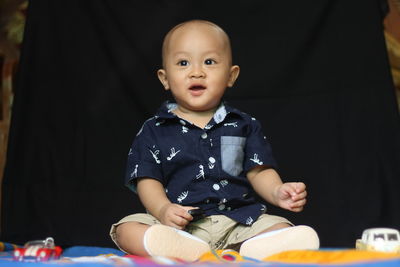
(234,74)
(162,76)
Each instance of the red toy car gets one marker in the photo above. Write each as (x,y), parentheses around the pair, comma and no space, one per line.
(38,250)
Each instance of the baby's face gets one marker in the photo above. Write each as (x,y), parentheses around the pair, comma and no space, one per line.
(197,66)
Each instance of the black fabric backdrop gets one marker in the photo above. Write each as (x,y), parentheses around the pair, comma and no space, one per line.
(314,72)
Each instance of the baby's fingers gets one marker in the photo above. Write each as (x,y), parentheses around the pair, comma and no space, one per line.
(180,222)
(299,187)
(299,196)
(298,205)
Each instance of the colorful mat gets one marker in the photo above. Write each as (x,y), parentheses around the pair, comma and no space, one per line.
(83,256)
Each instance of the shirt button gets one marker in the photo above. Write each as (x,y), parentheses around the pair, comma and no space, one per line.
(204,135)
(182,122)
(216,187)
(221,207)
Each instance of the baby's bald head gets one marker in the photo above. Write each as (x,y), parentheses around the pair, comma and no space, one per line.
(196,25)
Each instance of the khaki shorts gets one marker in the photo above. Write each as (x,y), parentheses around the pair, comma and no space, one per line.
(219,231)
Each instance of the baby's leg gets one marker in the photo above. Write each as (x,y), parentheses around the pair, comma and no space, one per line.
(162,240)
(279,238)
(130,236)
(143,235)
(242,233)
(276,227)
(128,233)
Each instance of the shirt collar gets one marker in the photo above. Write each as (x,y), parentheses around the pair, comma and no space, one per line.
(165,111)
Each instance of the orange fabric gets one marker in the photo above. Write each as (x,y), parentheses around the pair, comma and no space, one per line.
(304,256)
(223,256)
(330,257)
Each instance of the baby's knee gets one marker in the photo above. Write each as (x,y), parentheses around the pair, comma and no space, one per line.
(125,230)
(129,237)
(119,230)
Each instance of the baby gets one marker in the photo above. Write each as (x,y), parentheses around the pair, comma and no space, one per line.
(200,155)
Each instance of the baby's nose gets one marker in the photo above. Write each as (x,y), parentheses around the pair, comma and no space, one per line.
(197,72)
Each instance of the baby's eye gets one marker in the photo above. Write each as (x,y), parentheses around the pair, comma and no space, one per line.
(183,63)
(209,61)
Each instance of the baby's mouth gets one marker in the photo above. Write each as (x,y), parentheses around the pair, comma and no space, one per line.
(197,87)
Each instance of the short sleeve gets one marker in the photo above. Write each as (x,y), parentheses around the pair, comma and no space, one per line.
(258,150)
(144,159)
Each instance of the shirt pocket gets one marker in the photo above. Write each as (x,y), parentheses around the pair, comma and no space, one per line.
(232,154)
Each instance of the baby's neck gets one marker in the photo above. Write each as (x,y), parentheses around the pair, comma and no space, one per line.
(198,118)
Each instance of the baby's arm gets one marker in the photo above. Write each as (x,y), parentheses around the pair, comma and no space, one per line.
(268,184)
(152,195)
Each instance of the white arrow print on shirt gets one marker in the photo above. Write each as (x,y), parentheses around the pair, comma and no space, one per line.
(155,155)
(182,196)
(134,173)
(255,159)
(234,124)
(224,182)
(211,162)
(173,153)
(249,221)
(201,172)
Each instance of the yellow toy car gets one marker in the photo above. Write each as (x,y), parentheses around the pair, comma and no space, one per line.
(379,239)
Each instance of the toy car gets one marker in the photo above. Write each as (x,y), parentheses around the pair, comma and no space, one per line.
(38,250)
(379,239)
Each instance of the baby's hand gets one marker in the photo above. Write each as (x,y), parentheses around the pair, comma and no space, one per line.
(175,215)
(292,196)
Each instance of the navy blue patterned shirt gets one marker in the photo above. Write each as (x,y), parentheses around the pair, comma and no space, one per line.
(203,167)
